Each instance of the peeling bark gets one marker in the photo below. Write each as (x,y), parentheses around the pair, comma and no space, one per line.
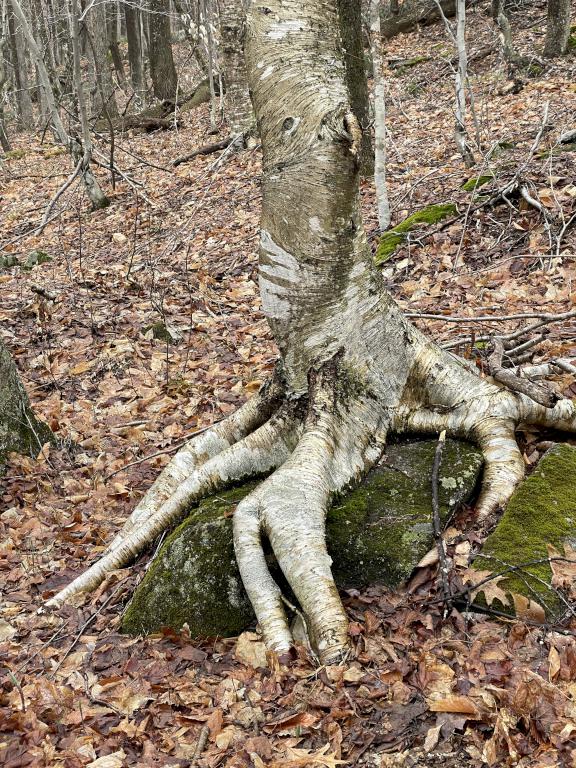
(353,367)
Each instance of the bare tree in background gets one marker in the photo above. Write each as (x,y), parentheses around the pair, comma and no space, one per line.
(558,29)
(238,105)
(103,98)
(80,155)
(135,54)
(162,69)
(19,70)
(4,141)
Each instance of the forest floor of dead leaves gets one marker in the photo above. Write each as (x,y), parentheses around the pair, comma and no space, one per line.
(177,250)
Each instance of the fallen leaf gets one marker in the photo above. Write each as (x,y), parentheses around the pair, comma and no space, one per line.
(458,704)
(528,609)
(251,650)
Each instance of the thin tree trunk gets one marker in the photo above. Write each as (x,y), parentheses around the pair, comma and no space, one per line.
(558,29)
(238,105)
(135,55)
(97,197)
(112,27)
(379,118)
(4,141)
(162,69)
(20,73)
(460,133)
(207,14)
(350,15)
(103,98)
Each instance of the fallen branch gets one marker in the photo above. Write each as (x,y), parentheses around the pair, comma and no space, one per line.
(207,149)
(540,394)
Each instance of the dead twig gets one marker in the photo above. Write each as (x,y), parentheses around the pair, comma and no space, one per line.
(160,453)
(444,570)
(200,746)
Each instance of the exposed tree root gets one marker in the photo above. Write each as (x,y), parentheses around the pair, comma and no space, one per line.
(313,457)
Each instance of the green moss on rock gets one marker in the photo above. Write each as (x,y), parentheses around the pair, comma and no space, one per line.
(542,511)
(376,533)
(476,182)
(20,430)
(394,237)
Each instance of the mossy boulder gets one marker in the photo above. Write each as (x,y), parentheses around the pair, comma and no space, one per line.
(375,534)
(20,430)
(542,511)
(394,237)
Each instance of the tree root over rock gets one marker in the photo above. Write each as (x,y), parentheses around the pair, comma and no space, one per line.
(315,447)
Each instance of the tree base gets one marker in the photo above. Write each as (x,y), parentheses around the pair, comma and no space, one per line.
(375,534)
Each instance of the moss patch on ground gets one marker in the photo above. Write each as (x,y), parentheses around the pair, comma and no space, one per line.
(394,237)
(375,534)
(542,511)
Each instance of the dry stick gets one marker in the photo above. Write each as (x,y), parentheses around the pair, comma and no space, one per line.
(507,569)
(486,318)
(59,194)
(537,392)
(162,453)
(446,592)
(86,624)
(544,583)
(18,686)
(200,745)
(521,348)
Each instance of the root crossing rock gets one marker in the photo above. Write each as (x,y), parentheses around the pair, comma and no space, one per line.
(375,534)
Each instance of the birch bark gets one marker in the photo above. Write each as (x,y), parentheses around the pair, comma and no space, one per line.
(379,118)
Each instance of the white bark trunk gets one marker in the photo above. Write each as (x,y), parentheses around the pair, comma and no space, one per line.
(460,132)
(379,118)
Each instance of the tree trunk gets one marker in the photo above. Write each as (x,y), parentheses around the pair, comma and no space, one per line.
(350,15)
(103,99)
(112,28)
(212,65)
(162,68)
(4,141)
(353,368)
(379,118)
(238,105)
(460,132)
(558,30)
(135,55)
(18,60)
(20,431)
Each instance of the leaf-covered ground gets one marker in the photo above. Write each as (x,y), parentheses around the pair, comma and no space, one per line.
(144,326)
